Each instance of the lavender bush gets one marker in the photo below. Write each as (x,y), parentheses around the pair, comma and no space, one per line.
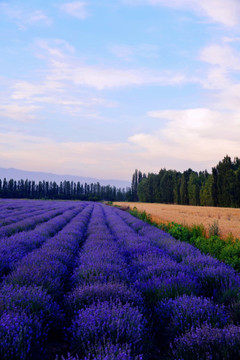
(107,321)
(208,343)
(21,336)
(88,294)
(189,312)
(32,300)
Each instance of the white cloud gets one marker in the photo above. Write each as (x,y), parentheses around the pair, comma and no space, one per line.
(66,82)
(18,111)
(65,68)
(222,75)
(27,98)
(25,90)
(52,86)
(227,39)
(24,18)
(192,135)
(221,55)
(76,9)
(52,48)
(226,12)
(37,17)
(101,78)
(216,78)
(229,97)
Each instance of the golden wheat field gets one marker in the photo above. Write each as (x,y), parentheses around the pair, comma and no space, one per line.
(228,218)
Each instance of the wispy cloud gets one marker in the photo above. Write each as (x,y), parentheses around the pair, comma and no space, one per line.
(222,75)
(101,77)
(65,67)
(76,9)
(22,99)
(55,93)
(227,39)
(130,53)
(221,55)
(25,18)
(18,111)
(67,83)
(226,12)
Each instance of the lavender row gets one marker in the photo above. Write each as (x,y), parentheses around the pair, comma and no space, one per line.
(11,204)
(105,315)
(15,206)
(14,248)
(27,294)
(15,216)
(9,211)
(154,272)
(29,214)
(29,222)
(174,289)
(48,265)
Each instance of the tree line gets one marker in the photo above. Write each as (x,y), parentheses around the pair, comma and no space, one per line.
(220,188)
(66,190)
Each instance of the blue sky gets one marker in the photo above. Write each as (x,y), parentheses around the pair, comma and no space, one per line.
(99,88)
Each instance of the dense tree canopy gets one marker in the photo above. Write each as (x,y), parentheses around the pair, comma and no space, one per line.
(66,190)
(221,188)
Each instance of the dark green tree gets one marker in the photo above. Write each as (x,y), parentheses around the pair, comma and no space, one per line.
(194,185)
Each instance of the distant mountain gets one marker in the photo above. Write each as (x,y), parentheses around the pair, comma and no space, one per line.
(17,174)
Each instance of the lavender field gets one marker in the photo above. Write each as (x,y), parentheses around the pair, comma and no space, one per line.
(82,280)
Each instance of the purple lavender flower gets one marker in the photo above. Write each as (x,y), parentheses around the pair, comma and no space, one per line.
(32,299)
(189,312)
(216,280)
(158,288)
(208,343)
(88,294)
(49,266)
(20,336)
(107,321)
